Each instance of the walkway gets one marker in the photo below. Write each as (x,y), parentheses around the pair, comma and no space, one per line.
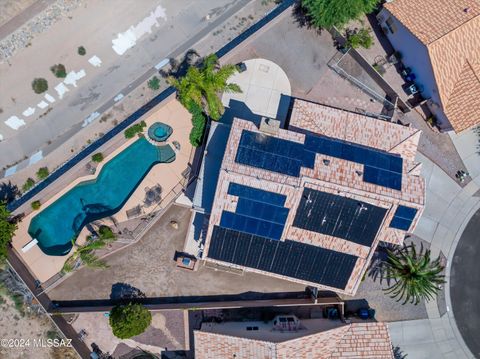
(448,209)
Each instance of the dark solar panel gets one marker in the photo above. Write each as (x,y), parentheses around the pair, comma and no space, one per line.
(287,157)
(256,194)
(288,258)
(339,216)
(403,218)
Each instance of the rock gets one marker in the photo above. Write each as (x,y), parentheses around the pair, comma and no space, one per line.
(174,224)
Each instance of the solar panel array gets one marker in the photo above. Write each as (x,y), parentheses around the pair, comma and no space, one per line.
(258,212)
(289,258)
(287,157)
(403,218)
(338,216)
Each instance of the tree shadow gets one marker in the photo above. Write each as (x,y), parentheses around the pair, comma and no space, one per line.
(178,68)
(377,269)
(9,192)
(121,291)
(301,17)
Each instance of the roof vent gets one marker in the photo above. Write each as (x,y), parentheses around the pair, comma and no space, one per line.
(326,162)
(466,10)
(359,173)
(269,125)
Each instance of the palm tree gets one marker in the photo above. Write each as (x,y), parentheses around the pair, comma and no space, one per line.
(416,276)
(85,252)
(202,85)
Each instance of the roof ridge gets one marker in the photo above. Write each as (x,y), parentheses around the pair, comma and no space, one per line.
(473,70)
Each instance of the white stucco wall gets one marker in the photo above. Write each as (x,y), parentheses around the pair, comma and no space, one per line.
(415,55)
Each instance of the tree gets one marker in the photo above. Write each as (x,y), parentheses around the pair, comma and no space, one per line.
(29,183)
(416,276)
(39,85)
(129,320)
(81,51)
(198,122)
(360,38)
(7,230)
(202,85)
(329,13)
(97,157)
(59,70)
(86,252)
(42,173)
(154,83)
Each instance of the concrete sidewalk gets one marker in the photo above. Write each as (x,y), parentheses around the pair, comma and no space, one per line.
(448,210)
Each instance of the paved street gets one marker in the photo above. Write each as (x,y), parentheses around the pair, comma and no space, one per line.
(180,25)
(465,285)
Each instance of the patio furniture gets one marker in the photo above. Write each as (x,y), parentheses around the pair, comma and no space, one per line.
(152,195)
(241,67)
(176,144)
(134,212)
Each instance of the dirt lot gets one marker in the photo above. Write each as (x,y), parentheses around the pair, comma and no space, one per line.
(24,324)
(149,266)
(11,8)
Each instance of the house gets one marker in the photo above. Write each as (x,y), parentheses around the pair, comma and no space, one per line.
(288,337)
(439,40)
(310,204)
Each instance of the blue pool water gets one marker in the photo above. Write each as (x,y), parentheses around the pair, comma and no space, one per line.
(62,221)
(160,132)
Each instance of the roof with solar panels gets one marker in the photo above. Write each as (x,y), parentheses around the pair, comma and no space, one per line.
(310,204)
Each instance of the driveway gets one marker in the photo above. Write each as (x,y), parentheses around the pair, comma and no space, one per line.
(465,285)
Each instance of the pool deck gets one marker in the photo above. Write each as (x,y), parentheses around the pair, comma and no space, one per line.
(167,175)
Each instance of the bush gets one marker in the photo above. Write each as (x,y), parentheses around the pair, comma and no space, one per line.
(81,51)
(97,157)
(198,122)
(135,129)
(36,205)
(360,38)
(7,230)
(329,13)
(39,85)
(129,320)
(59,71)
(106,232)
(154,83)
(42,173)
(29,183)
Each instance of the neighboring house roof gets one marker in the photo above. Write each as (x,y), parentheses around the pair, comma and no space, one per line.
(356,340)
(450,29)
(311,204)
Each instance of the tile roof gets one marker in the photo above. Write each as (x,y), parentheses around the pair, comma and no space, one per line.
(450,29)
(337,192)
(356,340)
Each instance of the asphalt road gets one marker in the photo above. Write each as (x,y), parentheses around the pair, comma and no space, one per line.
(185,26)
(465,285)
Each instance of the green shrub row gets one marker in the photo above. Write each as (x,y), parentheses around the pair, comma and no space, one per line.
(135,129)
(198,122)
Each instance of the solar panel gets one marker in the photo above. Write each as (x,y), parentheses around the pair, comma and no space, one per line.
(403,218)
(339,216)
(289,258)
(287,157)
(256,194)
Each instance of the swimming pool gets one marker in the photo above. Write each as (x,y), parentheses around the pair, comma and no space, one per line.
(62,221)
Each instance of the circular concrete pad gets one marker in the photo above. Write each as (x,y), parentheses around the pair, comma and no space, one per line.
(265,89)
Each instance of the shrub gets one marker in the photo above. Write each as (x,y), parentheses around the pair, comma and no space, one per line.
(198,122)
(97,157)
(36,205)
(106,232)
(7,230)
(39,85)
(29,183)
(59,70)
(42,173)
(81,51)
(360,38)
(154,83)
(135,129)
(129,320)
